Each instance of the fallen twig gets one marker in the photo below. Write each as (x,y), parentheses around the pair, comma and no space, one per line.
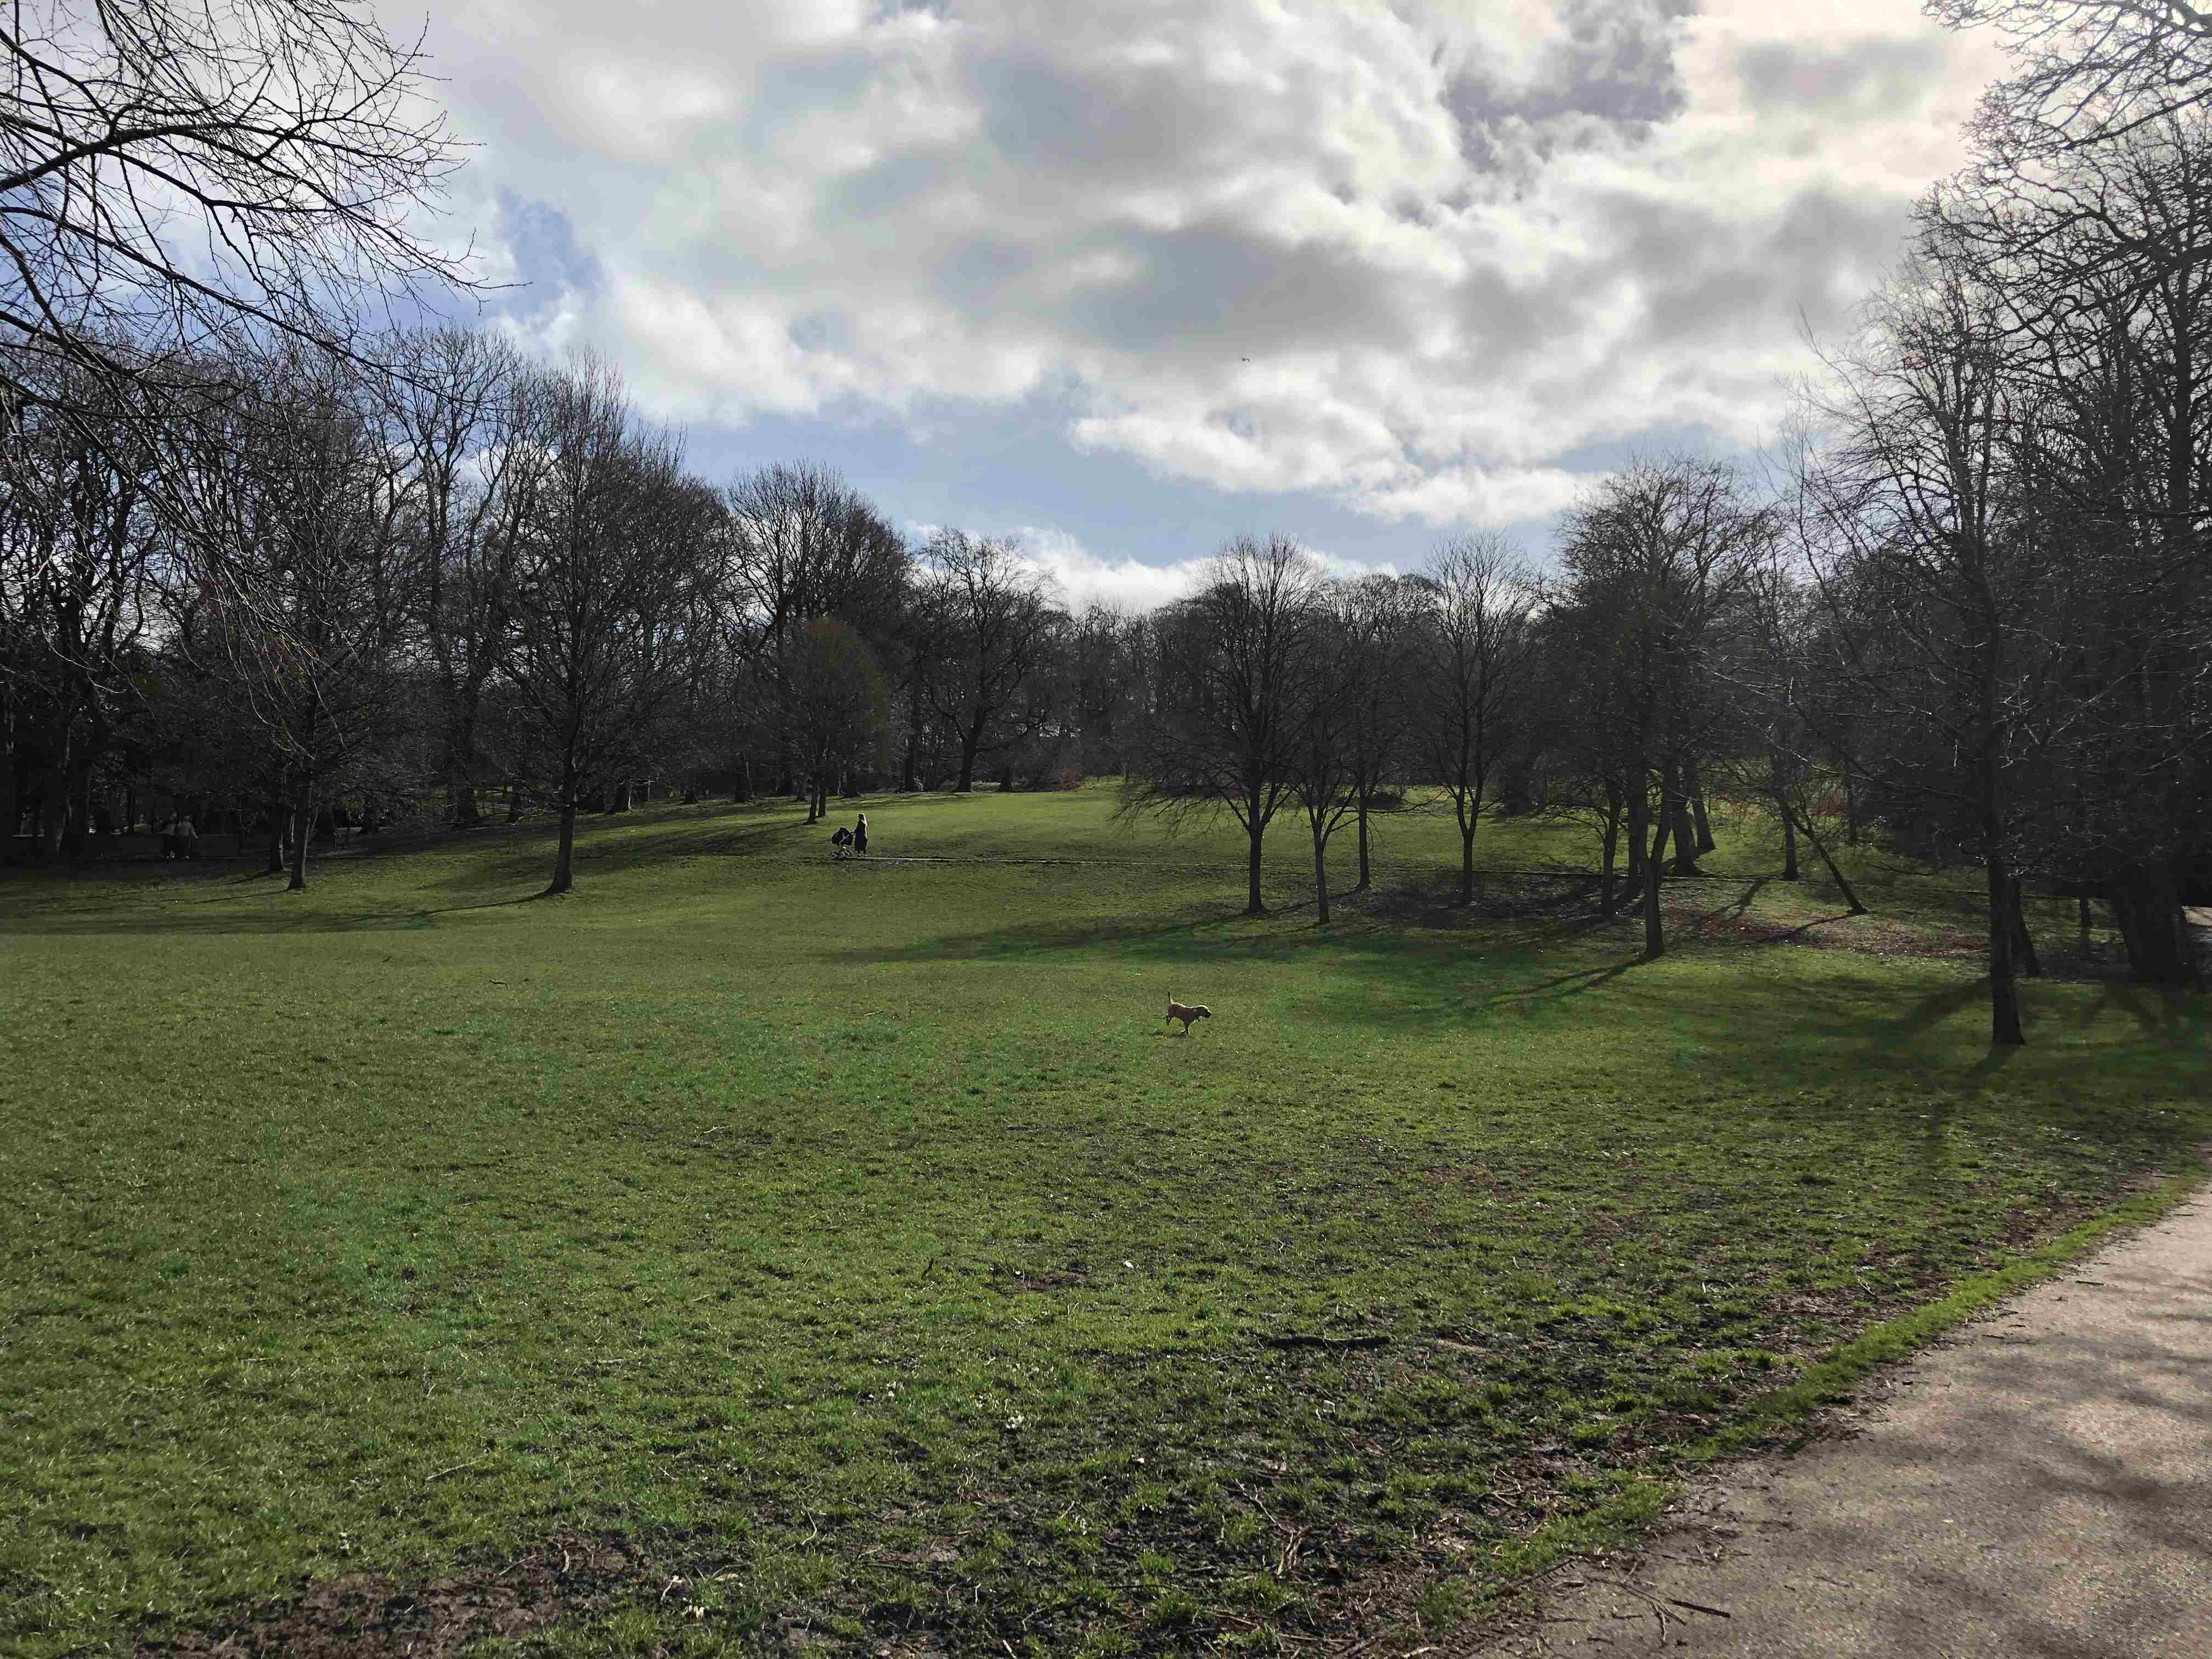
(1699,1607)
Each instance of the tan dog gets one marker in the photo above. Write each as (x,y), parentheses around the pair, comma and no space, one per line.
(1178,1010)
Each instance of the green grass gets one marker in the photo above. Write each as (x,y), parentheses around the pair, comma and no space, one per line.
(852,1242)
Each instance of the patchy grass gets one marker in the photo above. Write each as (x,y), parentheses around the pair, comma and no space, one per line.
(843,1255)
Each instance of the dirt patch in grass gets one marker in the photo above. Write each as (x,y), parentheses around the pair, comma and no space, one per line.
(368,1615)
(2066,956)
(1723,910)
(1870,935)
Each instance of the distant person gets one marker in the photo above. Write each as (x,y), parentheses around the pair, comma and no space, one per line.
(168,829)
(187,839)
(860,836)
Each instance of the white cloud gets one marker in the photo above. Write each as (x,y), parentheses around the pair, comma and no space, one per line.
(1082,578)
(1409,258)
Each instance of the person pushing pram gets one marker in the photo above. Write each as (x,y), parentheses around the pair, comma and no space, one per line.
(851,843)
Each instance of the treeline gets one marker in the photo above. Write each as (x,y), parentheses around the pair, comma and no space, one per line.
(479,577)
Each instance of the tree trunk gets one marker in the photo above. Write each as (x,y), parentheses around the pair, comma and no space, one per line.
(279,817)
(970,742)
(1834,874)
(1363,874)
(1321,877)
(1644,873)
(1253,904)
(2147,905)
(744,777)
(913,734)
(1654,927)
(1780,785)
(460,782)
(564,860)
(2023,942)
(1704,827)
(2004,989)
(302,824)
(1606,894)
(621,797)
(1465,862)
(11,805)
(1655,862)
(1677,806)
(53,804)
(81,802)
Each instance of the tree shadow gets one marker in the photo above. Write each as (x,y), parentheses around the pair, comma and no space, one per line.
(1566,985)
(1932,1010)
(2159,1011)
(607,845)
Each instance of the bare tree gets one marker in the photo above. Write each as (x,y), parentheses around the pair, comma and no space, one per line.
(456,410)
(181,179)
(1777,761)
(801,544)
(1657,558)
(1098,685)
(840,707)
(1324,756)
(1936,596)
(80,552)
(1473,652)
(2101,281)
(994,625)
(2085,72)
(1578,702)
(1379,617)
(1230,686)
(295,598)
(609,575)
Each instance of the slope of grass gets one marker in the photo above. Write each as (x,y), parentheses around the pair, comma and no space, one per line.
(851,1240)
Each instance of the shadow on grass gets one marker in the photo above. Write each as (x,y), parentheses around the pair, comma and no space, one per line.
(1566,985)
(1932,1010)
(172,923)
(2158,1010)
(616,844)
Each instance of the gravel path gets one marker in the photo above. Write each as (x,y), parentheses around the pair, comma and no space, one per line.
(2041,1485)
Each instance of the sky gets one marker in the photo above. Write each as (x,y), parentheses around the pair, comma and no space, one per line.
(1126,280)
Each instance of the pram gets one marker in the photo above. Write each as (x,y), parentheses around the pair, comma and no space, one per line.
(841,844)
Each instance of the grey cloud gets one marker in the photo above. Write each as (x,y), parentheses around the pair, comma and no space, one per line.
(1865,80)
(1706,278)
(1226,289)
(1614,73)
(1111,125)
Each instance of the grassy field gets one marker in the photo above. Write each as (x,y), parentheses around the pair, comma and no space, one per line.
(752,1253)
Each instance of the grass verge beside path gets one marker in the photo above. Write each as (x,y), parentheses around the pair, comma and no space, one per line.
(1785,1415)
(850,1242)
